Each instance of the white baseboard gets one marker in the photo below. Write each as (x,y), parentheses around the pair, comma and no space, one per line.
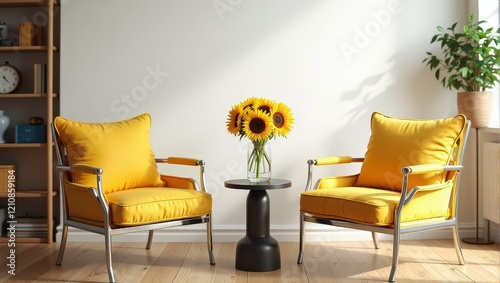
(284,233)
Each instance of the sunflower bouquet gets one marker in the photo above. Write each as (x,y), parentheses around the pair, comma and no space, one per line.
(259,120)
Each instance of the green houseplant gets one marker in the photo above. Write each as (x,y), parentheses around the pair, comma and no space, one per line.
(470,64)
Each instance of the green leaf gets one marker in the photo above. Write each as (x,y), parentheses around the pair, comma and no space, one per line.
(464,71)
(434,38)
(467,47)
(453,26)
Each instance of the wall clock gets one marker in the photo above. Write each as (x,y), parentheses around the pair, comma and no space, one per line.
(10,78)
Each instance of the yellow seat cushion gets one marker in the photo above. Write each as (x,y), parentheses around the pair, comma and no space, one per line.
(149,205)
(143,206)
(395,143)
(373,206)
(122,149)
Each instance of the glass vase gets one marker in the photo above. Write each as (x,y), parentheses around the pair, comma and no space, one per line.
(4,124)
(259,162)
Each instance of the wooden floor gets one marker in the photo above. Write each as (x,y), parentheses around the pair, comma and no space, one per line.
(420,261)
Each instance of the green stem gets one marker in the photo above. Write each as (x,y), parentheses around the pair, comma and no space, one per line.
(258,156)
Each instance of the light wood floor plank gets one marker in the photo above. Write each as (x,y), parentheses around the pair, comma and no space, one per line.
(421,261)
(341,258)
(316,265)
(482,261)
(166,266)
(481,264)
(5,252)
(290,271)
(196,266)
(35,257)
(411,267)
(92,265)
(435,264)
(225,271)
(75,257)
(134,263)
(373,264)
(29,253)
(329,262)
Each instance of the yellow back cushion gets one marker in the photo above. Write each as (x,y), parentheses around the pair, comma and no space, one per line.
(395,143)
(122,149)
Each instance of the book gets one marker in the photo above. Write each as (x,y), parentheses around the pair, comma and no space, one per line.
(29,222)
(39,35)
(31,229)
(39,71)
(30,225)
(44,78)
(37,75)
(34,234)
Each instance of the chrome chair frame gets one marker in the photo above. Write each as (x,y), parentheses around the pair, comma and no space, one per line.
(406,195)
(107,231)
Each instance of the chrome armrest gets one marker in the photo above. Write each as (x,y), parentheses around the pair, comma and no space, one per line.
(96,192)
(407,195)
(331,160)
(188,162)
(83,168)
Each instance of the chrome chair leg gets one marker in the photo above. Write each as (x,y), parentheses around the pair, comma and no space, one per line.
(375,240)
(301,239)
(395,256)
(150,239)
(62,246)
(456,242)
(109,263)
(209,240)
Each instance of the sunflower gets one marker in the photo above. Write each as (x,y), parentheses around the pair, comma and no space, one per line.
(234,119)
(282,119)
(264,104)
(259,119)
(249,103)
(257,125)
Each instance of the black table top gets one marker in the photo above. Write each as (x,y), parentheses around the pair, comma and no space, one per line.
(245,184)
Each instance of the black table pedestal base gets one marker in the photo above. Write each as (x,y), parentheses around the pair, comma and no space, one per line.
(258,254)
(258,251)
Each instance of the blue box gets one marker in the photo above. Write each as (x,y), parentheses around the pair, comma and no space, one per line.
(30,134)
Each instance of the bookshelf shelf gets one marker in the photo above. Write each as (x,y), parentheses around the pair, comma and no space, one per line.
(4,239)
(20,3)
(22,145)
(26,95)
(26,49)
(29,194)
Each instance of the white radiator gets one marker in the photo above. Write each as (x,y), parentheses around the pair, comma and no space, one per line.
(491,181)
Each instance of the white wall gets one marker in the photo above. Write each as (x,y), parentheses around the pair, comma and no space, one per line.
(187,62)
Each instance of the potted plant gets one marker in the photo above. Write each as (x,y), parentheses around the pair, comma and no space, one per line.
(470,65)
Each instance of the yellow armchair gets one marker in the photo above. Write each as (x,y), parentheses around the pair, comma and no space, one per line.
(408,182)
(110,183)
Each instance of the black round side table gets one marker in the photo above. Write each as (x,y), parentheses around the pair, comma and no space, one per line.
(258,251)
